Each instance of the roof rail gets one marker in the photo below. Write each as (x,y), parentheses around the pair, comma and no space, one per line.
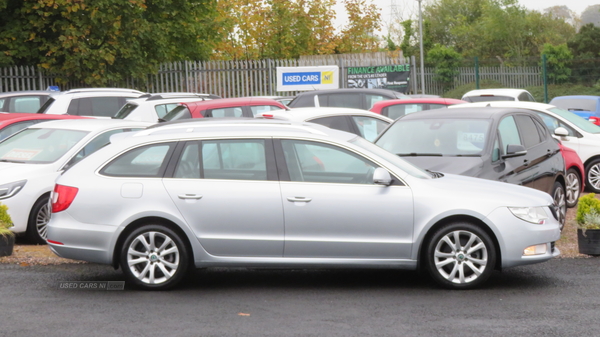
(103,90)
(163,95)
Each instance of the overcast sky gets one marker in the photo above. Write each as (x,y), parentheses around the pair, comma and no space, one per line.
(407,8)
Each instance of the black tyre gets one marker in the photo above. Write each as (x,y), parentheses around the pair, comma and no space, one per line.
(154,257)
(460,255)
(573,187)
(592,176)
(560,201)
(37,224)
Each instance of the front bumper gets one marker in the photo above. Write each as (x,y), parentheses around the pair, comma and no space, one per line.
(514,235)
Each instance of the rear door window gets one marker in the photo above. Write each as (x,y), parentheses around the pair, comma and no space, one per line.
(225,112)
(345,100)
(28,104)
(96,106)
(372,99)
(335,122)
(256,109)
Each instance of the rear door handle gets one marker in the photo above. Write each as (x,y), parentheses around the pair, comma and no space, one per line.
(190,196)
(299,199)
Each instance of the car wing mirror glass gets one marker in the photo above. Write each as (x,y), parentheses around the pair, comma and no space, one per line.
(514,151)
(382,177)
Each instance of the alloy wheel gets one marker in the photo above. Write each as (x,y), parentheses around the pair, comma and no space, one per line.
(560,202)
(460,256)
(153,257)
(573,187)
(41,220)
(594,176)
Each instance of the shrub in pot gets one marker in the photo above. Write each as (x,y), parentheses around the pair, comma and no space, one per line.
(588,225)
(7,237)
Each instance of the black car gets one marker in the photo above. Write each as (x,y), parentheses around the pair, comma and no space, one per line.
(510,145)
(344,98)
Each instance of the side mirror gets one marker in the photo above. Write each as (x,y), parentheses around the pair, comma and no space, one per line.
(561,132)
(382,177)
(514,151)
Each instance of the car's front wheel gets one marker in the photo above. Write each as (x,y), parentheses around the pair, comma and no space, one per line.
(38,221)
(592,176)
(573,187)
(154,257)
(460,256)
(560,201)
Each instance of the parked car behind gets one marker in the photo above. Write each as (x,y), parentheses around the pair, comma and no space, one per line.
(28,101)
(11,123)
(574,176)
(359,122)
(32,159)
(587,107)
(508,145)
(153,107)
(396,108)
(344,98)
(574,132)
(231,193)
(225,107)
(489,95)
(93,102)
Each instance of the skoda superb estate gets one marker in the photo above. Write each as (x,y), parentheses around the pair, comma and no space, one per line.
(267,193)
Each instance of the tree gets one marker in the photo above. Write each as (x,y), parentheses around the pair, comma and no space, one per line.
(446,61)
(104,41)
(591,15)
(359,35)
(558,62)
(585,47)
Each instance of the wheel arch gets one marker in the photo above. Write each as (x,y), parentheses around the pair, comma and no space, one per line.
(147,220)
(458,218)
(588,161)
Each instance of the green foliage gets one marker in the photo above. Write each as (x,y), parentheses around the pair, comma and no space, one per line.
(5,221)
(562,90)
(104,41)
(410,34)
(557,62)
(446,61)
(585,47)
(588,212)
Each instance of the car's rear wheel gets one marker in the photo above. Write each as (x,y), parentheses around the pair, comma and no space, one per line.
(592,176)
(154,257)
(460,255)
(37,224)
(560,201)
(573,187)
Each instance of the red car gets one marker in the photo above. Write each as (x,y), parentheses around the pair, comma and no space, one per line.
(13,122)
(224,107)
(575,175)
(396,108)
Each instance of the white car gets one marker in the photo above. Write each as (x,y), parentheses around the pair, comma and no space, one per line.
(364,123)
(488,95)
(573,131)
(32,159)
(153,107)
(93,102)
(268,193)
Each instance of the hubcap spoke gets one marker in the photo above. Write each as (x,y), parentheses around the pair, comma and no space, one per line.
(153,257)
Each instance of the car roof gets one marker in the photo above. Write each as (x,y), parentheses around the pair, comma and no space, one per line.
(351,90)
(90,124)
(479,112)
(576,97)
(439,100)
(500,91)
(226,102)
(14,117)
(302,114)
(27,93)
(507,104)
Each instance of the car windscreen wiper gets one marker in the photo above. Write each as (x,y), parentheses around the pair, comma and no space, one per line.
(415,154)
(463,155)
(12,161)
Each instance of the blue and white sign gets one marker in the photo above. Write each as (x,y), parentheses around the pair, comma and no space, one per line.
(307,78)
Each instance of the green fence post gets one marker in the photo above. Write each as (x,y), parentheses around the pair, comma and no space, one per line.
(545,77)
(476,72)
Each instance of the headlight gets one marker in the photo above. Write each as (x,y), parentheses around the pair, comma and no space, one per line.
(10,189)
(536,215)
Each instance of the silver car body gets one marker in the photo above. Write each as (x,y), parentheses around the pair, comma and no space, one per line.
(287,223)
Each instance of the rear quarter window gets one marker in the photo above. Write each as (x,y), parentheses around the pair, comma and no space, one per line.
(148,161)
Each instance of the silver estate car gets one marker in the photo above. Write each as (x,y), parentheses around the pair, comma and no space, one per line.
(268,193)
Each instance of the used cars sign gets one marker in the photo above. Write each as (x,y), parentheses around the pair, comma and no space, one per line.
(307,78)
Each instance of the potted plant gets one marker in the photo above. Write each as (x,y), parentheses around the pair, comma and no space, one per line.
(7,237)
(588,225)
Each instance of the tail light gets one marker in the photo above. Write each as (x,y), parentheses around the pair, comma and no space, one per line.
(268,116)
(595,120)
(62,197)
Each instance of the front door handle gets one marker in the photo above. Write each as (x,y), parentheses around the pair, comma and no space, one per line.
(299,199)
(190,196)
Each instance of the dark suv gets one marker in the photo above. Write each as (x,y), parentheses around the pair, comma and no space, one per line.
(510,145)
(344,98)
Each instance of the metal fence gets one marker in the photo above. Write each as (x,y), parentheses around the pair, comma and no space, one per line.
(259,77)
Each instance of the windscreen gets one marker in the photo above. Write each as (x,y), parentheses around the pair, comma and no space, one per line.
(436,137)
(576,104)
(580,122)
(179,112)
(125,111)
(39,146)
